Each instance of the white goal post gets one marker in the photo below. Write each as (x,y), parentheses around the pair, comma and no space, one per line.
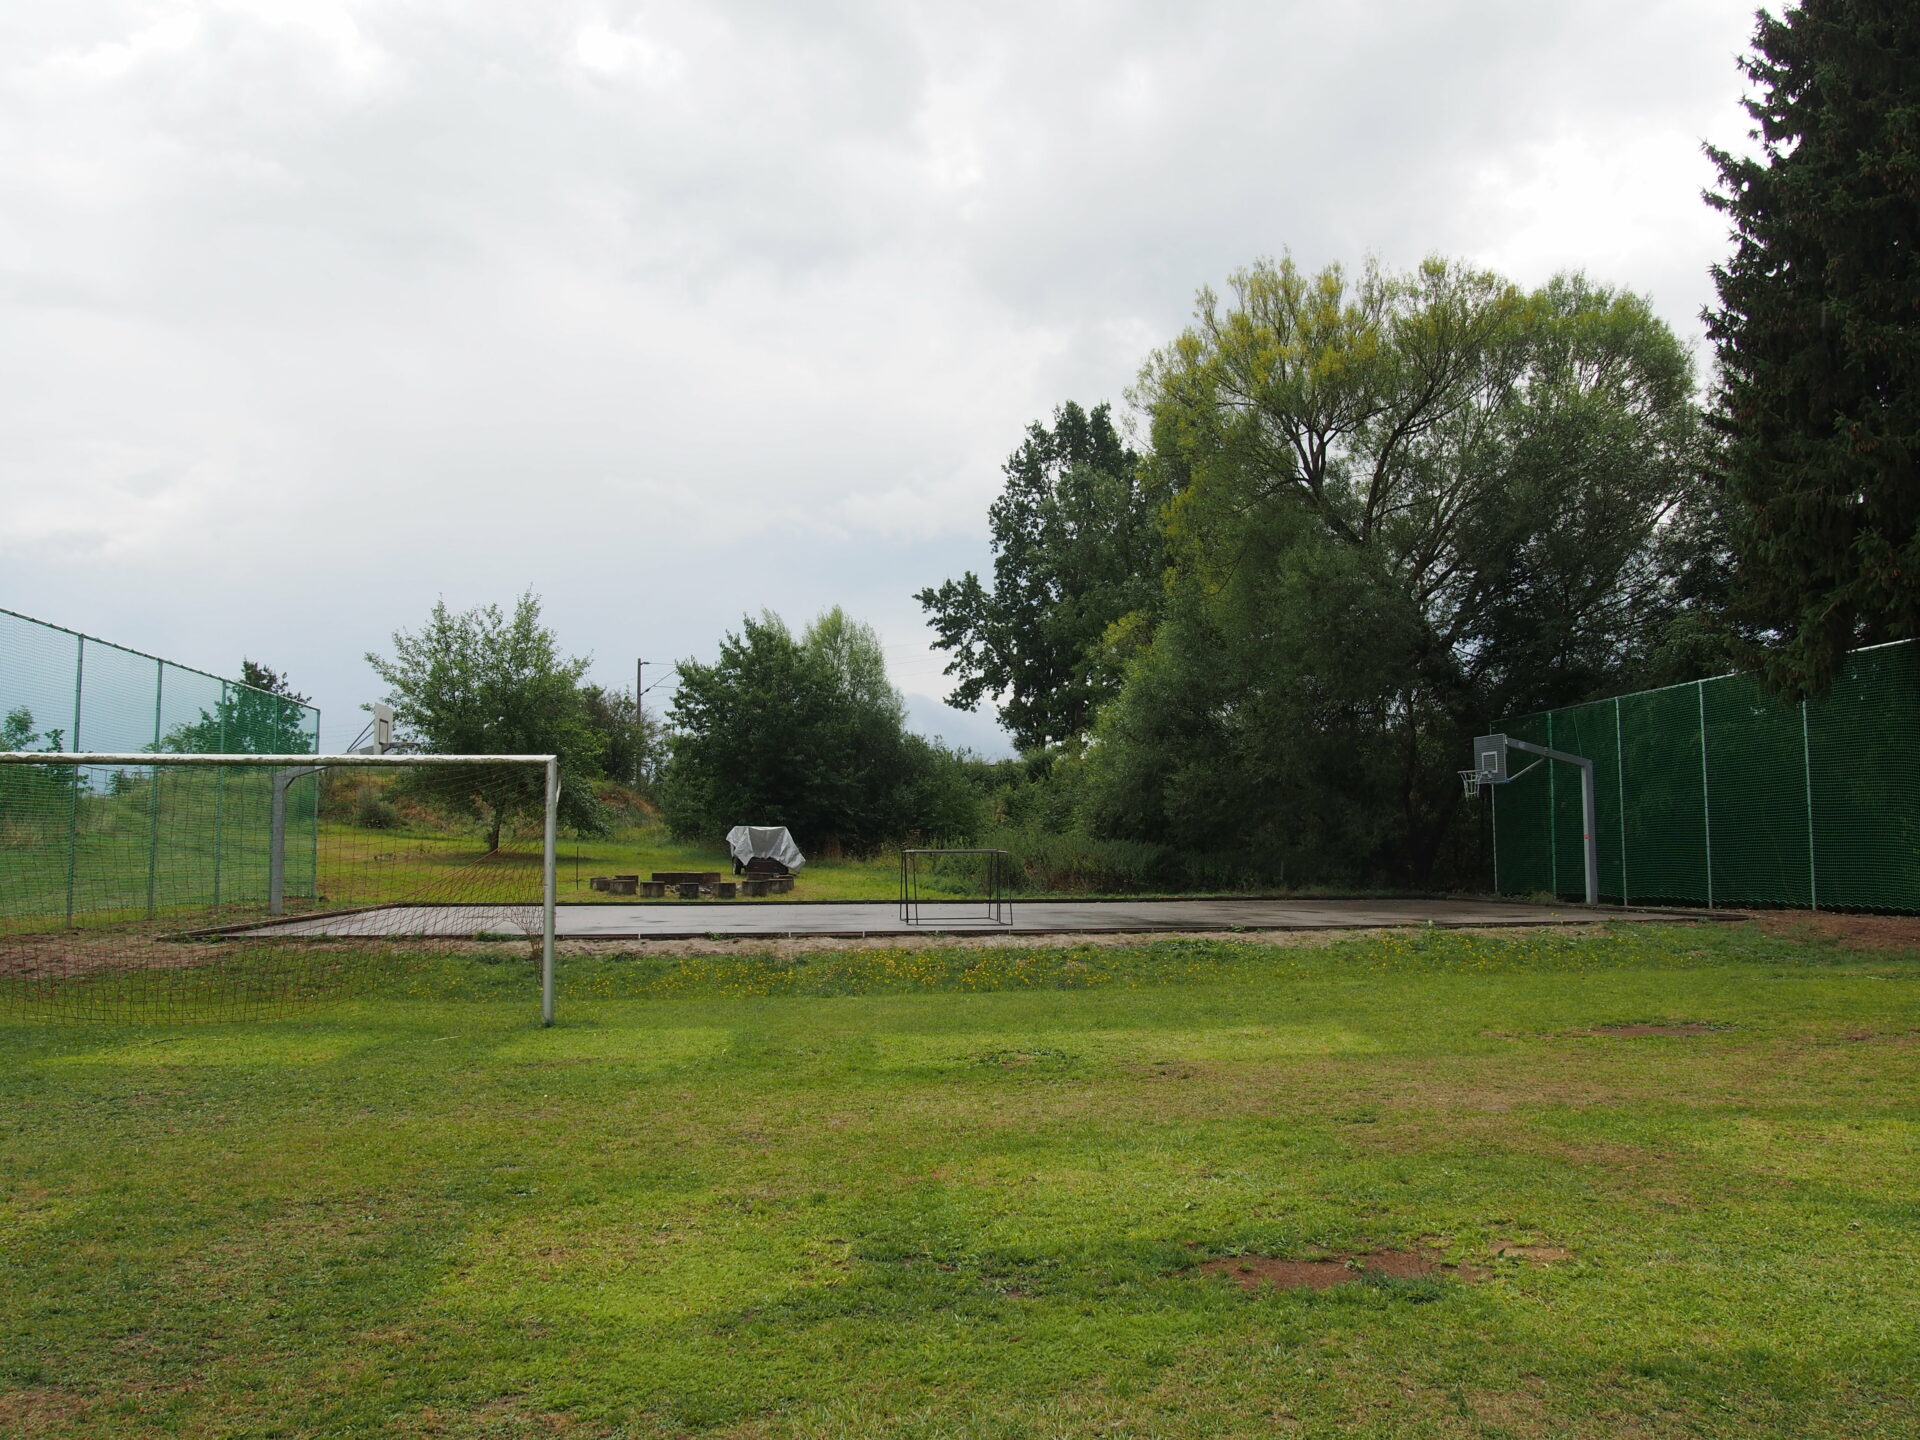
(310,764)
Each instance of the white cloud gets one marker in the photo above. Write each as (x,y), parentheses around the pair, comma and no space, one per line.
(316,312)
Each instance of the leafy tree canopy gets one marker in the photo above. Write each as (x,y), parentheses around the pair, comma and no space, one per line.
(479,682)
(1077,548)
(1401,505)
(808,733)
(260,716)
(632,743)
(1818,336)
(265,677)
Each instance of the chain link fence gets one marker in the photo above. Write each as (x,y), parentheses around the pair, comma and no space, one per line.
(62,690)
(1715,793)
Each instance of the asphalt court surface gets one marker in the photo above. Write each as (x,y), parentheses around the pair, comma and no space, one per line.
(702,919)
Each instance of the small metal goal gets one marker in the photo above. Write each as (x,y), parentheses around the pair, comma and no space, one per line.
(962,887)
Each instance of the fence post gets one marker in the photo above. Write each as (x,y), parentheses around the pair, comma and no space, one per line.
(73,788)
(1706,801)
(547,887)
(1806,762)
(1620,777)
(153,797)
(219,798)
(1493,822)
(1553,817)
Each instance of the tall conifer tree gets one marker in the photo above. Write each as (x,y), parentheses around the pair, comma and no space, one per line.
(1818,335)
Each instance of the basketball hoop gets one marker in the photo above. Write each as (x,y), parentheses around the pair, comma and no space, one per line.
(1470,782)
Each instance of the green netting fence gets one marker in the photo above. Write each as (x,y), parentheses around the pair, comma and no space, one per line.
(1715,793)
(115,853)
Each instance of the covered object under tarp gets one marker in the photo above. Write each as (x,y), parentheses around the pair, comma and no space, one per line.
(764,843)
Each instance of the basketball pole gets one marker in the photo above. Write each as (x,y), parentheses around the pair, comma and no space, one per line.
(1588,824)
(1491,766)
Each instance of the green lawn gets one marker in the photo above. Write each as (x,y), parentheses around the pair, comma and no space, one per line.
(946,1193)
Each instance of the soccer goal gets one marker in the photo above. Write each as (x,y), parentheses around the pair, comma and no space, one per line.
(158,887)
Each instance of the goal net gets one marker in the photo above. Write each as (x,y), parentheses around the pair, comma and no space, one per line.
(156,888)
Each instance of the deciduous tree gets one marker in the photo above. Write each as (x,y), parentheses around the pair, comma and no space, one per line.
(1077,548)
(810,734)
(479,682)
(1406,505)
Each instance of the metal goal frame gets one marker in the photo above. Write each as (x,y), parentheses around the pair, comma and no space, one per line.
(309,764)
(996,902)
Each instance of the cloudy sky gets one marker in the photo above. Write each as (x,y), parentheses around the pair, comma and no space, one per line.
(317,311)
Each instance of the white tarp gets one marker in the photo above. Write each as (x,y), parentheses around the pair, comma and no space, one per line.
(769,842)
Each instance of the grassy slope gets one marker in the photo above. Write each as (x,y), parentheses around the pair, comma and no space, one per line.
(936,1194)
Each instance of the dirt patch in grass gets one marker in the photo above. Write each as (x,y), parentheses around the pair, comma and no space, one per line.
(1856,932)
(1023,1059)
(1533,1254)
(1161,1069)
(38,1411)
(64,956)
(1260,1272)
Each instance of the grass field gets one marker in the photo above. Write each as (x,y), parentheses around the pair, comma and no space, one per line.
(966,1193)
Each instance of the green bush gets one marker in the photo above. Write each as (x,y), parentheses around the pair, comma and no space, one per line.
(371,810)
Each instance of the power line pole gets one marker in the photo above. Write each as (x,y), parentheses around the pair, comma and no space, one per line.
(640,720)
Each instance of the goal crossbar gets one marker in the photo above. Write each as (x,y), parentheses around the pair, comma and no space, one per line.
(81,759)
(162,757)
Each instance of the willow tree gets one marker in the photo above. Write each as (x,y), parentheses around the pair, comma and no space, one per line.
(1404,504)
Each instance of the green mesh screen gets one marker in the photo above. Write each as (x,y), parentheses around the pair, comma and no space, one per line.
(1524,851)
(144,893)
(1864,741)
(1715,793)
(126,843)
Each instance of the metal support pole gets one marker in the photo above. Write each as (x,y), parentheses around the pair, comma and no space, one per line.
(277,853)
(153,796)
(73,792)
(640,719)
(277,848)
(1493,825)
(1590,841)
(1553,816)
(1620,774)
(547,892)
(219,801)
(1593,833)
(1806,761)
(1706,799)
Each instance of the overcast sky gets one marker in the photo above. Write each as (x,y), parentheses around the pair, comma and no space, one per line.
(315,312)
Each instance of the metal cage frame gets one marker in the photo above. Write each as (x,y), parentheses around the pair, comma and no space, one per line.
(996,903)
